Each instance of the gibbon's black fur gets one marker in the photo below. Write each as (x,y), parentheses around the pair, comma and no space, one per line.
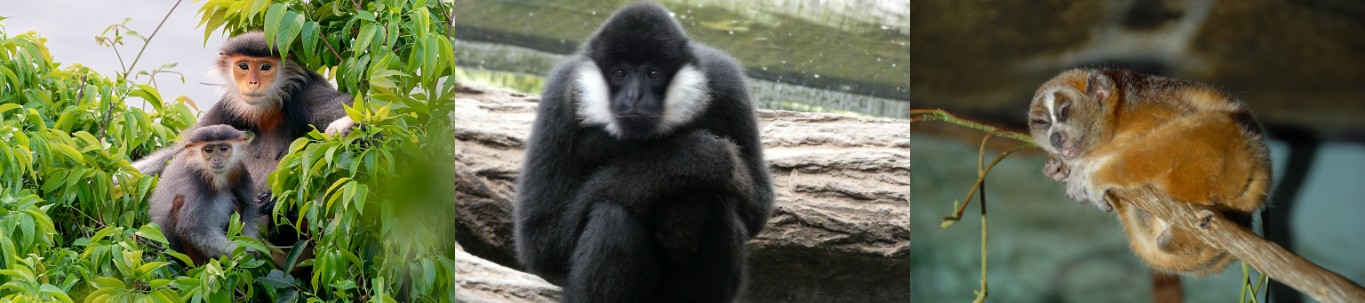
(295,101)
(644,174)
(201,189)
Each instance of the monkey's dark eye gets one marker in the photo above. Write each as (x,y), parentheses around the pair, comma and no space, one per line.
(223,147)
(208,149)
(242,65)
(265,67)
(618,74)
(654,74)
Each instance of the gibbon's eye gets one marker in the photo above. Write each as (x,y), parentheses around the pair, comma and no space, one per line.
(618,74)
(208,149)
(1062,112)
(1040,122)
(654,74)
(243,65)
(265,67)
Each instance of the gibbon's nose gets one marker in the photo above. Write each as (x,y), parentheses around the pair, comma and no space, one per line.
(1056,140)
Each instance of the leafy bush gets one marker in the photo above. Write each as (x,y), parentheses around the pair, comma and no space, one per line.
(377,203)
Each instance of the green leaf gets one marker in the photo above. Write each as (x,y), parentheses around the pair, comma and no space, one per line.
(362,41)
(8,106)
(256,8)
(273,16)
(146,268)
(150,232)
(146,92)
(69,152)
(107,282)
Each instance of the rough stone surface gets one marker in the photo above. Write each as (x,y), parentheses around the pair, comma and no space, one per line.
(484,281)
(840,225)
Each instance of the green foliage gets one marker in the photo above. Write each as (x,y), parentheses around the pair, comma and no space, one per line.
(376,203)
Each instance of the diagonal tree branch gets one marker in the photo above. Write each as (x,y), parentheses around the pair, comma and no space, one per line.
(1279,263)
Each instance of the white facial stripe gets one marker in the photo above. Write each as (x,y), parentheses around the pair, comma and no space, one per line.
(1051,101)
(688,95)
(594,100)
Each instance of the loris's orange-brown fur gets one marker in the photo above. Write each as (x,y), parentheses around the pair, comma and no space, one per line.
(1116,129)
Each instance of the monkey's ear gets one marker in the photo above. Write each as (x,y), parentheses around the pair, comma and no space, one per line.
(1099,86)
(247,136)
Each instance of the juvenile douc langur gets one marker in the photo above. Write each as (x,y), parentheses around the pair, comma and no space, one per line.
(644,175)
(201,189)
(277,100)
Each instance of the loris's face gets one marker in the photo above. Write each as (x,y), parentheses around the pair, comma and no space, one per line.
(1064,121)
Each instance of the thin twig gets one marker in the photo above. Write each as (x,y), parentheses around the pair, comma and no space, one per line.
(80,92)
(145,42)
(981,293)
(959,208)
(917,115)
(334,51)
(148,41)
(450,20)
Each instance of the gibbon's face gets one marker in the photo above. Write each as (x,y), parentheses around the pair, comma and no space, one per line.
(255,77)
(1064,120)
(641,79)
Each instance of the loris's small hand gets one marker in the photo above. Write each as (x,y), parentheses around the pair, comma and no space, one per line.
(1056,169)
(1077,189)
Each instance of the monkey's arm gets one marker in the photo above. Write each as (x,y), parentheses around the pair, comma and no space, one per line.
(687,162)
(740,125)
(322,107)
(547,224)
(247,208)
(201,224)
(155,163)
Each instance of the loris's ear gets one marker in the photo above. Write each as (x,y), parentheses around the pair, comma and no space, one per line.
(1099,86)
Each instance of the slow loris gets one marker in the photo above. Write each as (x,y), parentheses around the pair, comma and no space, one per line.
(1117,129)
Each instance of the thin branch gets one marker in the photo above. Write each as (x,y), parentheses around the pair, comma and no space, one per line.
(1267,257)
(450,20)
(80,92)
(334,51)
(148,41)
(960,208)
(917,115)
(145,42)
(981,293)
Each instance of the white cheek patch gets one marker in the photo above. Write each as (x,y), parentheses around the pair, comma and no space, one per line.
(688,95)
(594,100)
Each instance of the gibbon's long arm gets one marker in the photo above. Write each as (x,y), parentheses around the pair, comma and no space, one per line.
(549,223)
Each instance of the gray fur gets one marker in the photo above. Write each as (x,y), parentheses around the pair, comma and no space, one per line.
(201,221)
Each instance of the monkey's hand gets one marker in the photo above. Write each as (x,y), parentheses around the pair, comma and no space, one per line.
(1056,169)
(1078,188)
(341,127)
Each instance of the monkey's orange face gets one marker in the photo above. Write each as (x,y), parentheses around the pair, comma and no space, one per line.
(254,76)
